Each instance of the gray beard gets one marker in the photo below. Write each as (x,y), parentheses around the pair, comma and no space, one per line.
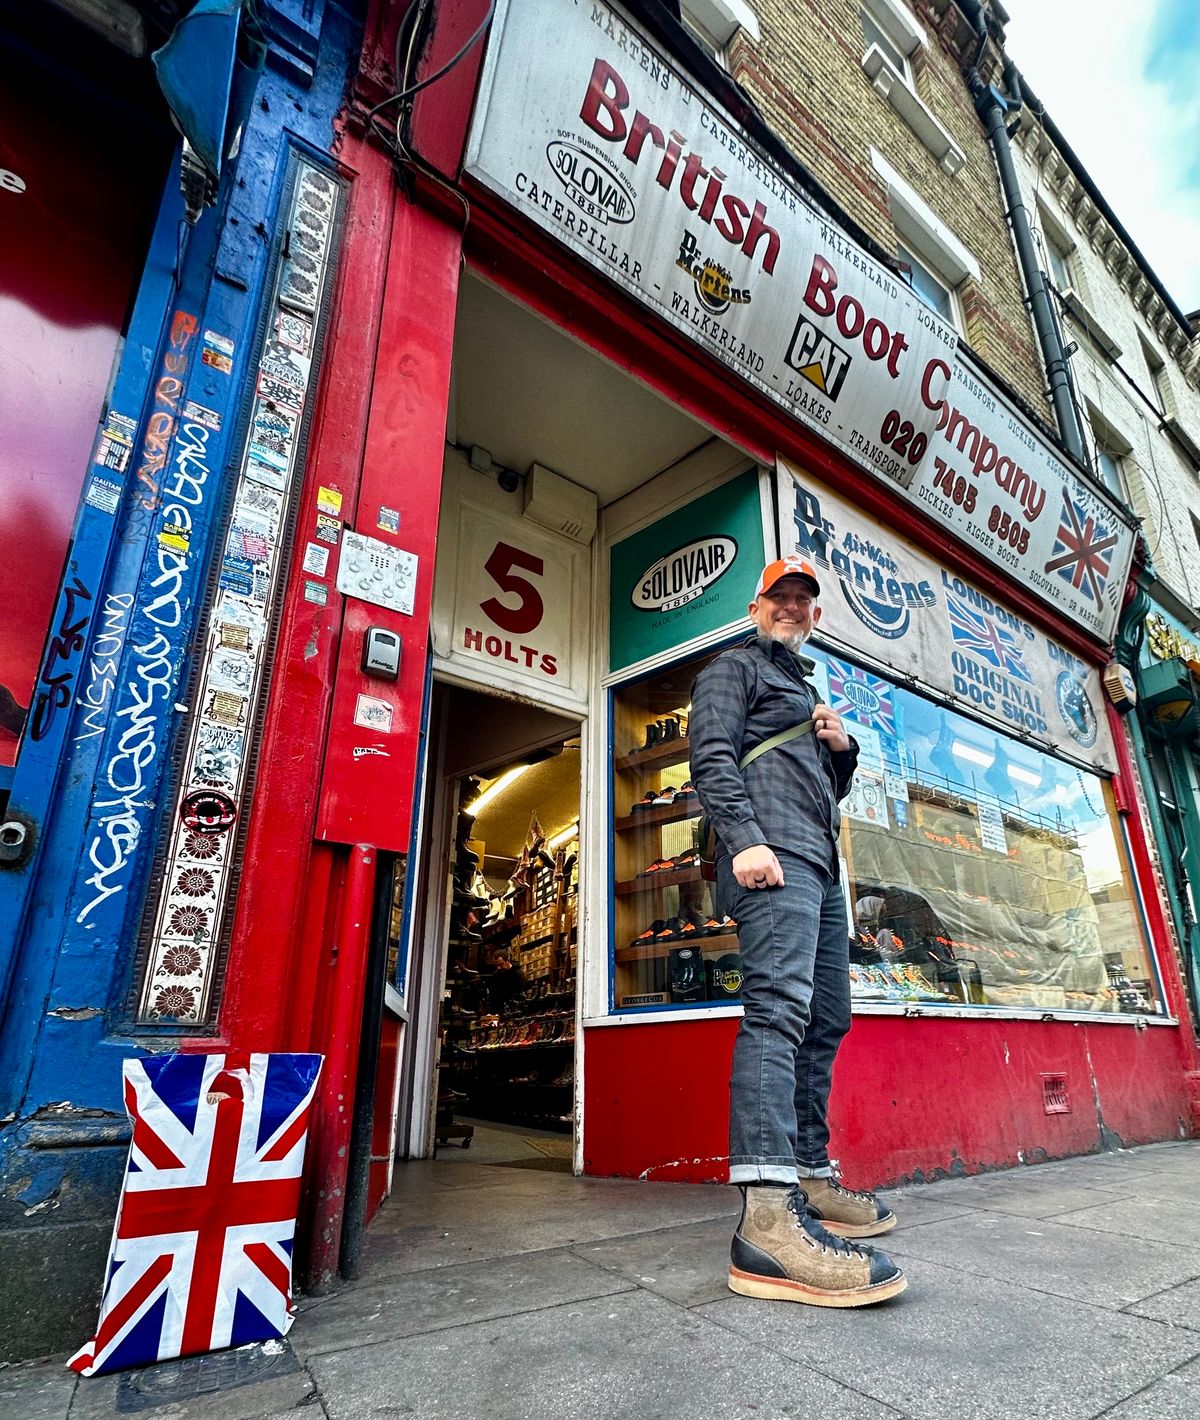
(794,644)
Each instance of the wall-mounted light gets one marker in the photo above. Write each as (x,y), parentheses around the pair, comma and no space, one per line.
(495,789)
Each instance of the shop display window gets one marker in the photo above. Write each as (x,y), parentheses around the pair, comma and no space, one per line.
(671,944)
(979,871)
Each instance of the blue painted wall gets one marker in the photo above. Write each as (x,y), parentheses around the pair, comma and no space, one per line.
(91,788)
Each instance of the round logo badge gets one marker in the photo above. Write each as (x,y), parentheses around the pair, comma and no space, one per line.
(1076,709)
(208,811)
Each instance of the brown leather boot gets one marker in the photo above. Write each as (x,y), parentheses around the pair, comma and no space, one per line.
(849,1214)
(782,1254)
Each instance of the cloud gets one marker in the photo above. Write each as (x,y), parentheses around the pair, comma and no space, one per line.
(1120,81)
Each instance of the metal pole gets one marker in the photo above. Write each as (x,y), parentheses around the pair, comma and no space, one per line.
(991,115)
(330,1157)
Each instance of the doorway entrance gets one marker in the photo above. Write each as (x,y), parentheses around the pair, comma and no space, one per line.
(498,941)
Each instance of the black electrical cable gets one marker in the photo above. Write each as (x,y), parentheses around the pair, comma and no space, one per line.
(444,70)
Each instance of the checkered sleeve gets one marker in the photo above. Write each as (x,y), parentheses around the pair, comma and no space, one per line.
(845,762)
(716,725)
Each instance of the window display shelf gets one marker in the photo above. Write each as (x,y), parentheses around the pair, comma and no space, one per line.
(649,818)
(656,951)
(673,752)
(653,881)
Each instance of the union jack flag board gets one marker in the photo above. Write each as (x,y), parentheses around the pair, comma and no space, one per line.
(201,1255)
(979,635)
(1083,549)
(862,697)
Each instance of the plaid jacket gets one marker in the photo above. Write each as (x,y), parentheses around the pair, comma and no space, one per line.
(788,798)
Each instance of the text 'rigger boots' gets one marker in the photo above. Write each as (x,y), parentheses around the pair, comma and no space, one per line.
(775,1256)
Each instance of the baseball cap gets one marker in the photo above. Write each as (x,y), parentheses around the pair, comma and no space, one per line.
(790,566)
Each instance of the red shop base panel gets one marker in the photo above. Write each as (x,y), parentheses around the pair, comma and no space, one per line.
(913,1100)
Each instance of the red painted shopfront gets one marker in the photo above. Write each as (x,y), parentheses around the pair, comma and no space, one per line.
(924,1085)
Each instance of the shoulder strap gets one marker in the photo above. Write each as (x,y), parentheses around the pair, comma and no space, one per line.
(782,738)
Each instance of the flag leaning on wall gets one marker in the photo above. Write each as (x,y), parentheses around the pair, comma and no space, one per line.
(201,1256)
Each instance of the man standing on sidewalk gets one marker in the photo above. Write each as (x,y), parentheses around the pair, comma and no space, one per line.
(777,820)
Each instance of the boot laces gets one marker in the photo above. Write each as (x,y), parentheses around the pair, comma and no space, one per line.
(824,1239)
(862,1195)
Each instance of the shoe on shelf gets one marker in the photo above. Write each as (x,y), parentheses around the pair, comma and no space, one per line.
(688,859)
(645,802)
(687,790)
(664,797)
(670,930)
(644,939)
(780,1255)
(660,865)
(669,729)
(845,1212)
(652,733)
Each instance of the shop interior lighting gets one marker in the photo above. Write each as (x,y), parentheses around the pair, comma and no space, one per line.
(571,831)
(971,754)
(495,789)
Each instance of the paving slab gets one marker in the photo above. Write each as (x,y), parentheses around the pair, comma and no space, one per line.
(247,1383)
(1178,1306)
(914,1208)
(452,1227)
(1108,1269)
(1164,1219)
(1017,1196)
(419,1302)
(629,1355)
(39,1391)
(970,1348)
(1175,1397)
(687,1265)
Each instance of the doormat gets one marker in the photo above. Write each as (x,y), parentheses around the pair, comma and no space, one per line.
(553,1148)
(538,1165)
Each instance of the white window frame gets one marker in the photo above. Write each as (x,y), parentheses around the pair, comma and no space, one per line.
(1110,442)
(905,35)
(911,258)
(925,235)
(1059,245)
(898,24)
(715,22)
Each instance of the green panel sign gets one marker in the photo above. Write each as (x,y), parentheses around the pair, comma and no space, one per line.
(691,572)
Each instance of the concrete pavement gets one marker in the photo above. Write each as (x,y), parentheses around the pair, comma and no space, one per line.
(496,1285)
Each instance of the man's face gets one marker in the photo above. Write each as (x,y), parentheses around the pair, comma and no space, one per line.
(788,612)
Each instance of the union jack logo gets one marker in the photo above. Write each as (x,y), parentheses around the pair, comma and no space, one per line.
(980,636)
(864,698)
(1082,549)
(201,1255)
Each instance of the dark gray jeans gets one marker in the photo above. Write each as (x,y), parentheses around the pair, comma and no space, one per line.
(796,995)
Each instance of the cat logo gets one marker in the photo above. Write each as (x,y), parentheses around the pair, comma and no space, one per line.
(817,359)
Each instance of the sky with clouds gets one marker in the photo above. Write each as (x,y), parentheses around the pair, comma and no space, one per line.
(1122,82)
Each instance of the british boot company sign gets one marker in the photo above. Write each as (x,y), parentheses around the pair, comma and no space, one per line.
(601,142)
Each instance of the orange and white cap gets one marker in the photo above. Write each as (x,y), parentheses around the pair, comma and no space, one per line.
(790,566)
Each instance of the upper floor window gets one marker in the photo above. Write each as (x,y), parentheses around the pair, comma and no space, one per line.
(1060,264)
(875,34)
(713,23)
(931,288)
(1059,252)
(1158,376)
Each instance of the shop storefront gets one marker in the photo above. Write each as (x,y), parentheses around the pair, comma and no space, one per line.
(1168,708)
(582,385)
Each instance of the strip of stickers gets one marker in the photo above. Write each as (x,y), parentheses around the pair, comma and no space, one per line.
(180,971)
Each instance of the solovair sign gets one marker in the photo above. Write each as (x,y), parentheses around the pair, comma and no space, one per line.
(585,128)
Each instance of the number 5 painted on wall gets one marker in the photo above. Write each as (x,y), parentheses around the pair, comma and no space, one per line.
(500,566)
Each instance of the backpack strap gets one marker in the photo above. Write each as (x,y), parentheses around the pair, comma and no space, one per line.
(782,738)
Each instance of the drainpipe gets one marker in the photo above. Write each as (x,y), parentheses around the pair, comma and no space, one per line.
(991,108)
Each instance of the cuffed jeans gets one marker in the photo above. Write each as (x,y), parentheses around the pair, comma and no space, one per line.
(796,994)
